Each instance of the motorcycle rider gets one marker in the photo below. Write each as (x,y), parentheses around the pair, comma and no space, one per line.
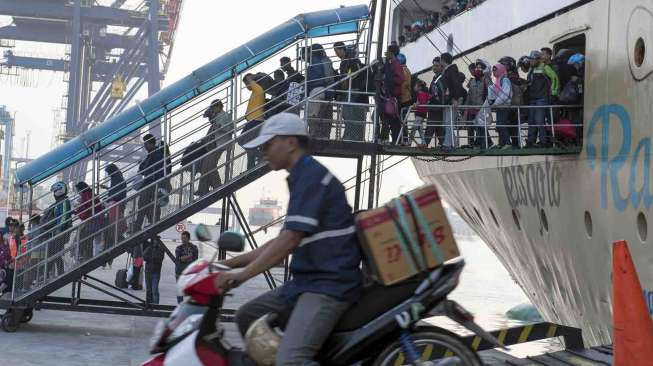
(320,234)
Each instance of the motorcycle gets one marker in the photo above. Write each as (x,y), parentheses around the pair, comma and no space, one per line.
(383,328)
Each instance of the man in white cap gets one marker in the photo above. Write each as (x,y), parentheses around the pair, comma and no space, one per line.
(319,232)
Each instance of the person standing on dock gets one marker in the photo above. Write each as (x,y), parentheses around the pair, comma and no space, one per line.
(185,254)
(153,256)
(320,224)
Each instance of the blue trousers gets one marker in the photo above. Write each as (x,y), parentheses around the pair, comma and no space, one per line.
(152,287)
(536,122)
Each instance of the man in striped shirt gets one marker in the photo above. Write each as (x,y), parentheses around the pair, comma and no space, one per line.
(319,232)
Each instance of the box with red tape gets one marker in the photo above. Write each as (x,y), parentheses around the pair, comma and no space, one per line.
(399,244)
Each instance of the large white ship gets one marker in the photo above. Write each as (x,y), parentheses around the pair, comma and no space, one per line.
(552,219)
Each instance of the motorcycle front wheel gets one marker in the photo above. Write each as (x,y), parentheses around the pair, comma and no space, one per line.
(436,349)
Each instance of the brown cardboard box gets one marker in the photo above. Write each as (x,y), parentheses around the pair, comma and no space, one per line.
(380,237)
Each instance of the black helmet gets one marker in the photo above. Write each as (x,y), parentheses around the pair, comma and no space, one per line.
(523,61)
(508,62)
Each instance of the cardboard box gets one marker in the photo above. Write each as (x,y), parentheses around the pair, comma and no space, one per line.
(380,237)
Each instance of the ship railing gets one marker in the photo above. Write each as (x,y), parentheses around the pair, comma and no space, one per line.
(49,254)
(478,124)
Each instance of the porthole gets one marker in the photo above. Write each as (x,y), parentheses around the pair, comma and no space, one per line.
(589,229)
(515,217)
(545,221)
(480,218)
(496,222)
(642,226)
(639,52)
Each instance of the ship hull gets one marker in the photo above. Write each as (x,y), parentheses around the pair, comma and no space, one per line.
(552,220)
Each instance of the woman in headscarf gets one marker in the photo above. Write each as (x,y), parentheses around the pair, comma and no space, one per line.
(500,95)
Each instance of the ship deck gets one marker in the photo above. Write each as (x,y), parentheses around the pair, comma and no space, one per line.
(586,357)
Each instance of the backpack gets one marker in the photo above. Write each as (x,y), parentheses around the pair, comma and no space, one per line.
(192,152)
(570,93)
(264,80)
(518,97)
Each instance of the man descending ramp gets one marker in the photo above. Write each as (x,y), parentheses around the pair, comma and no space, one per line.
(319,232)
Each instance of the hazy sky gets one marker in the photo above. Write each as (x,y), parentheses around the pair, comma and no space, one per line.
(207,30)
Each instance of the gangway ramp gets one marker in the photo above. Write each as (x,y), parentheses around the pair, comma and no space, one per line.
(37,273)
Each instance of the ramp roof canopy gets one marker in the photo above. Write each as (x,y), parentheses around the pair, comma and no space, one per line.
(317,24)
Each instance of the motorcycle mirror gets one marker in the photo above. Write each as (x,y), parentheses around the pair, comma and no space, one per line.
(231,242)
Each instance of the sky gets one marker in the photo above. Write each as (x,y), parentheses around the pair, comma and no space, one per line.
(207,30)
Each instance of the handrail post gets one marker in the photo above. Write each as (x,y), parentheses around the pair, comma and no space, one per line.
(553,133)
(519,128)
(486,135)
(30,205)
(94,181)
(307,60)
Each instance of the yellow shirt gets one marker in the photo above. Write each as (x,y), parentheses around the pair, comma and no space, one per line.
(255,106)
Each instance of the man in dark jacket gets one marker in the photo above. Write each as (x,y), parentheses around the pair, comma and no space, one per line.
(434,128)
(152,170)
(117,193)
(393,76)
(185,254)
(293,84)
(542,89)
(153,256)
(353,115)
(454,94)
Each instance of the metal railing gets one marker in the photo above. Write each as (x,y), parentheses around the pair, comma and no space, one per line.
(184,129)
(517,126)
(50,255)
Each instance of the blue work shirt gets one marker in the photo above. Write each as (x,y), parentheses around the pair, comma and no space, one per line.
(327,261)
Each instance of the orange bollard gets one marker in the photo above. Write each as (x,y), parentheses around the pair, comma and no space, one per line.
(633,328)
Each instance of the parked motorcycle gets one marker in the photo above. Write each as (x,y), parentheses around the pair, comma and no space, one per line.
(383,328)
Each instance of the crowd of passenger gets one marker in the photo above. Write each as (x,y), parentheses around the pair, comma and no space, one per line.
(480,106)
(483,103)
(38,253)
(433,19)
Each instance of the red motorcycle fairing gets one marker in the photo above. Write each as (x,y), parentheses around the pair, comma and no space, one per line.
(202,288)
(210,357)
(157,360)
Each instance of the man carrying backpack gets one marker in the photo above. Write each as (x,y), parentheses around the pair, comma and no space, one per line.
(542,89)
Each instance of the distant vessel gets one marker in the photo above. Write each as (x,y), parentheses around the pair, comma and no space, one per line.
(264,212)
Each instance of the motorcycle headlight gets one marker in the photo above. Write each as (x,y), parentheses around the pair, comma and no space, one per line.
(189,324)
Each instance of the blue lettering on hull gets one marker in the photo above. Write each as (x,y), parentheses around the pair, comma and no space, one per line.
(611,119)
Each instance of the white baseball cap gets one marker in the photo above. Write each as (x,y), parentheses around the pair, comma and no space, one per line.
(282,124)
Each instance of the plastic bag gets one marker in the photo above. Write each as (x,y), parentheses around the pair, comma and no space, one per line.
(484,116)
(130,274)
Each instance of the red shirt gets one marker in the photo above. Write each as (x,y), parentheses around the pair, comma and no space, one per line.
(84,210)
(422,100)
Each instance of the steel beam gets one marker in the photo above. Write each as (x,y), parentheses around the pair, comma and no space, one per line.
(101,15)
(153,79)
(101,71)
(59,35)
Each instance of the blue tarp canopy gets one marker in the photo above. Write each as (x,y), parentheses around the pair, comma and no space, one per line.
(322,23)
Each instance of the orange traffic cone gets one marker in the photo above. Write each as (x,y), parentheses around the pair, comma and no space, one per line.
(633,329)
